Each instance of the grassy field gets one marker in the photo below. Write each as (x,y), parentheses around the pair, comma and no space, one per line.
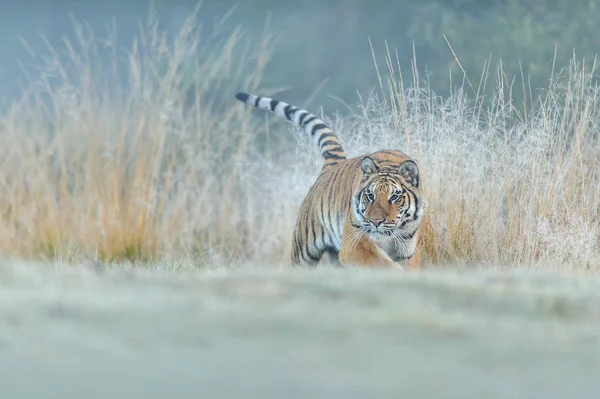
(275,332)
(157,159)
(159,163)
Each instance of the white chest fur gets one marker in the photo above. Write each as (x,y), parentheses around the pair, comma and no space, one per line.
(397,250)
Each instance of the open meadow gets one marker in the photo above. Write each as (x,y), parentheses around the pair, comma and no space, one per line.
(146,219)
(274,332)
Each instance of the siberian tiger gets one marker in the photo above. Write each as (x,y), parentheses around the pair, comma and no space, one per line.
(363,211)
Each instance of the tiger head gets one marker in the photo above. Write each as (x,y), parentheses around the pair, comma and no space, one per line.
(387,200)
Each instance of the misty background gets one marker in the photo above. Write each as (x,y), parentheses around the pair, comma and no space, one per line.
(322,47)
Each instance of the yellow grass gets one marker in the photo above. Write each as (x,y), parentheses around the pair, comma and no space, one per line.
(162,162)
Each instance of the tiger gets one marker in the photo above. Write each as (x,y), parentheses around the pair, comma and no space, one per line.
(364,211)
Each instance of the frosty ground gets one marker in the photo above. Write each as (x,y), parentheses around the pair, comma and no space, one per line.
(249,331)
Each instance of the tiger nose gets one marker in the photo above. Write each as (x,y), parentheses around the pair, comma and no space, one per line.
(377,222)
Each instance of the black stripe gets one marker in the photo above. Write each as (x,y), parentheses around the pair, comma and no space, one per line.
(309,120)
(298,249)
(289,111)
(334,213)
(335,182)
(307,241)
(256,101)
(406,206)
(301,119)
(317,127)
(306,233)
(330,209)
(312,257)
(243,97)
(356,203)
(337,151)
(323,215)
(330,155)
(314,233)
(327,236)
(301,250)
(274,104)
(409,236)
(416,206)
(312,230)
(324,136)
(329,142)
(305,259)
(331,205)
(398,258)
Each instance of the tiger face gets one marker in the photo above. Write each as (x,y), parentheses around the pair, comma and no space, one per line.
(386,201)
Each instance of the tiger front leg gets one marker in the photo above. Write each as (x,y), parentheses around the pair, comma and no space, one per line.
(361,250)
(415,261)
(304,253)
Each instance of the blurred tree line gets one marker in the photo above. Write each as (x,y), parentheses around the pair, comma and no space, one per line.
(323,45)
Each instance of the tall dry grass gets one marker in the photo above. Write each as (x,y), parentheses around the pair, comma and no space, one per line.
(100,161)
(161,161)
(509,184)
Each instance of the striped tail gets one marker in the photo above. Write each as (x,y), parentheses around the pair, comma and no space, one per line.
(324,137)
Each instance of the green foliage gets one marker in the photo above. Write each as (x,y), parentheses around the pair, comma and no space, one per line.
(528,38)
(322,46)
(325,45)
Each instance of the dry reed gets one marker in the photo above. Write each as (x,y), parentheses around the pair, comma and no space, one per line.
(161,161)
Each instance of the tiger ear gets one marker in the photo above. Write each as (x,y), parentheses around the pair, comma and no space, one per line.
(410,173)
(368,166)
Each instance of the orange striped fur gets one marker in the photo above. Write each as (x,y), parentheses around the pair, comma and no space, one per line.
(362,211)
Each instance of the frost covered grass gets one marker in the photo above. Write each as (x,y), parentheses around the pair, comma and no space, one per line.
(283,332)
(160,162)
(510,184)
